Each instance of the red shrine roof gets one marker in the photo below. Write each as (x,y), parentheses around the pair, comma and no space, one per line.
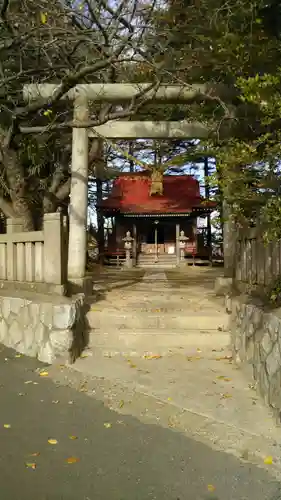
(131,195)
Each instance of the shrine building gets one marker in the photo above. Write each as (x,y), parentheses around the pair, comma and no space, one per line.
(155,221)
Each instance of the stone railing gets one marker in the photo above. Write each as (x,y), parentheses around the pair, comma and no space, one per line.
(42,326)
(256,341)
(36,318)
(35,260)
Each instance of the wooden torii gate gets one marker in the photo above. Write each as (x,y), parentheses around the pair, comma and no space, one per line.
(81,95)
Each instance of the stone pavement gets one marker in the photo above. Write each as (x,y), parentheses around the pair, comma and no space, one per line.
(114,457)
(187,372)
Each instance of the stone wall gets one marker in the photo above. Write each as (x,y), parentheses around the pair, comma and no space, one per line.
(42,326)
(256,339)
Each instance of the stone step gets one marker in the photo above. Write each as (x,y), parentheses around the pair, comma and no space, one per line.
(111,319)
(152,258)
(157,265)
(163,261)
(160,256)
(134,343)
(165,304)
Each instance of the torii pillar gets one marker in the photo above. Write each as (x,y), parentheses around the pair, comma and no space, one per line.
(78,194)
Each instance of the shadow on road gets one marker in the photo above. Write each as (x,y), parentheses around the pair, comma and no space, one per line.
(118,457)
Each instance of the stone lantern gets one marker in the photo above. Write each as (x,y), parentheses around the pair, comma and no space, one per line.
(182,243)
(128,244)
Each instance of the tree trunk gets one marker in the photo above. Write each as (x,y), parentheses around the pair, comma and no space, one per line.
(18,192)
(156,182)
(54,198)
(131,162)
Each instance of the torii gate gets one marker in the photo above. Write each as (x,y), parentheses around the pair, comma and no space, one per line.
(115,93)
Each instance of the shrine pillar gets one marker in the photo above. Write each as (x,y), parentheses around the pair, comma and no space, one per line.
(78,194)
(178,243)
(135,244)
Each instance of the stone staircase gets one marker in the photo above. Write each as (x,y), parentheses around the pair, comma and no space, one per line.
(151,317)
(164,261)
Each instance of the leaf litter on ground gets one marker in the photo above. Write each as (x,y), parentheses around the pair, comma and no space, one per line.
(152,356)
(72,460)
(30,465)
(131,365)
(193,358)
(224,378)
(52,441)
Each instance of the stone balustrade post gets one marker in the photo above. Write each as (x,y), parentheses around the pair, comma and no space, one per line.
(14,226)
(53,258)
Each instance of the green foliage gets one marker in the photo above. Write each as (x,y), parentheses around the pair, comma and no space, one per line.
(274,293)
(263,91)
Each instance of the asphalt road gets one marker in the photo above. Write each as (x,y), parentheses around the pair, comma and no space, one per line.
(110,459)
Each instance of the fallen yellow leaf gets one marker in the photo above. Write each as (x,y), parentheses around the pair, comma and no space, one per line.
(226,396)
(211,487)
(30,465)
(73,437)
(268,460)
(152,356)
(43,17)
(7,426)
(107,425)
(52,441)
(44,374)
(223,358)
(169,399)
(121,403)
(18,355)
(225,379)
(72,460)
